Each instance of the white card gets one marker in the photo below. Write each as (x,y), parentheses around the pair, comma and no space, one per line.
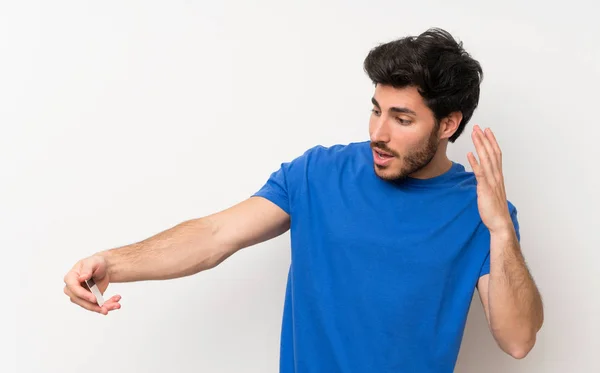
(94,289)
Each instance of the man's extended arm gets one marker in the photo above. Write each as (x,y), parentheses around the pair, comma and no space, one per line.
(185,249)
(197,245)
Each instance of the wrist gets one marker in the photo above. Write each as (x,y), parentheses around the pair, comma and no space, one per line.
(503,236)
(108,259)
(503,231)
(502,226)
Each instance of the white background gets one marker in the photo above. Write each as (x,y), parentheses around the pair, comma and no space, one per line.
(120,119)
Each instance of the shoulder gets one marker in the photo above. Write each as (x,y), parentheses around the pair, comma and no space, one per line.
(321,156)
(337,151)
(319,164)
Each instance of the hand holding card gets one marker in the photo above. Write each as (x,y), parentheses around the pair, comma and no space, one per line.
(86,282)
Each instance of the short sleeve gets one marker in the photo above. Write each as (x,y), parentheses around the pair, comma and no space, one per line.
(276,188)
(485,269)
(284,183)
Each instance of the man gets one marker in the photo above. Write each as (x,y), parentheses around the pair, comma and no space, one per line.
(389,238)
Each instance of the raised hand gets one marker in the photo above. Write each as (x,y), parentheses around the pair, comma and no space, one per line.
(94,266)
(491,194)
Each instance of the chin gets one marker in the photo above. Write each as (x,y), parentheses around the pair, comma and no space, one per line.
(389,173)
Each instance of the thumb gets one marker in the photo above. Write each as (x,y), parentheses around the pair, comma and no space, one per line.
(91,267)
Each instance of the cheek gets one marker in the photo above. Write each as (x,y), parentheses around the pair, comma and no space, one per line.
(405,141)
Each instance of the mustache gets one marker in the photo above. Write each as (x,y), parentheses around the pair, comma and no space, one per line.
(383,147)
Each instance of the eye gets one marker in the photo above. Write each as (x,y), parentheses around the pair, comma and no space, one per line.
(375,111)
(404,122)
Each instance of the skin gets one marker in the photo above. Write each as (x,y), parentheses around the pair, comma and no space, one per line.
(510,297)
(402,125)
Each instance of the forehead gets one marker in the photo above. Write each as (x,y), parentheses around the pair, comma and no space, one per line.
(407,97)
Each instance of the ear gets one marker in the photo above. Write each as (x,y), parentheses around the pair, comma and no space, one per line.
(450,124)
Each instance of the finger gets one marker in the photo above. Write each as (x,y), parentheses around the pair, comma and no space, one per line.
(75,287)
(114,298)
(484,157)
(472,162)
(492,138)
(486,146)
(111,306)
(112,301)
(82,302)
(476,167)
(490,151)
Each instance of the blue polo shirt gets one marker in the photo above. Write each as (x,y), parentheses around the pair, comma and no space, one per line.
(382,273)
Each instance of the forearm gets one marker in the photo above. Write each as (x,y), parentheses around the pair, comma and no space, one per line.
(182,250)
(515,305)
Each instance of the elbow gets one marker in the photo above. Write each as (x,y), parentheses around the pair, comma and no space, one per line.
(519,353)
(518,341)
(520,349)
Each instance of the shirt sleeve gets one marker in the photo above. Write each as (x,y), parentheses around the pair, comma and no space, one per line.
(485,269)
(276,188)
(286,182)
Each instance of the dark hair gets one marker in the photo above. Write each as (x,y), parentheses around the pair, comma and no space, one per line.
(443,72)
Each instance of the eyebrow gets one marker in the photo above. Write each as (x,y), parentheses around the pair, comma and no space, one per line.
(395,109)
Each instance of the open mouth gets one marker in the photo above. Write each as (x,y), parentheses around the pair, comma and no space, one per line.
(381,158)
(382,154)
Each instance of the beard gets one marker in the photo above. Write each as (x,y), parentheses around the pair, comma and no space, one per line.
(411,162)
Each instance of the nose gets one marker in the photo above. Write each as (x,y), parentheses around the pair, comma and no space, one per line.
(380,131)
